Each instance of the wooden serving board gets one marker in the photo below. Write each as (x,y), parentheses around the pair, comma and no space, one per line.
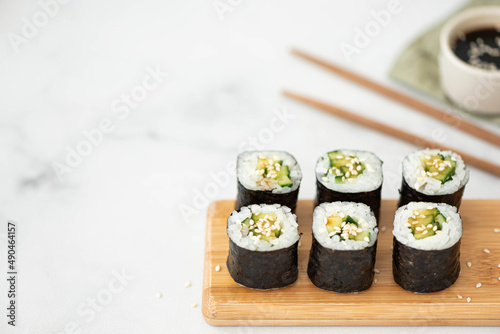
(226,303)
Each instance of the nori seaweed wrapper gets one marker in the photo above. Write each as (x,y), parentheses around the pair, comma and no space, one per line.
(246,197)
(370,198)
(341,270)
(418,270)
(263,270)
(408,194)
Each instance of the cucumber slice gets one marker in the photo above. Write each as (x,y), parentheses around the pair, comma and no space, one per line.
(423,227)
(339,179)
(349,219)
(422,234)
(282,175)
(439,167)
(267,217)
(344,167)
(440,220)
(361,236)
(284,181)
(333,221)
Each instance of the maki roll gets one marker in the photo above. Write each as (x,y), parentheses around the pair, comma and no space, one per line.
(349,175)
(267,177)
(344,244)
(435,176)
(426,249)
(263,242)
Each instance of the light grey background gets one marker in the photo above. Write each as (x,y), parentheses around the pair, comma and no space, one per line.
(120,208)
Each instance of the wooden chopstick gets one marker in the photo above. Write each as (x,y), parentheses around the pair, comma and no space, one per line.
(407,100)
(389,130)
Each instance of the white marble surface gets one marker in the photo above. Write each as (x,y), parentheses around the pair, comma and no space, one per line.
(119,208)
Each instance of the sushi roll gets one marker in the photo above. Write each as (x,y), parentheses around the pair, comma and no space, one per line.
(344,244)
(263,242)
(349,175)
(426,246)
(434,176)
(267,177)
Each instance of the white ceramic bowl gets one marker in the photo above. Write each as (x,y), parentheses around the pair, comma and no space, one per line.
(474,89)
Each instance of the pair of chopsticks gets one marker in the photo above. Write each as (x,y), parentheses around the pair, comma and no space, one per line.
(425,108)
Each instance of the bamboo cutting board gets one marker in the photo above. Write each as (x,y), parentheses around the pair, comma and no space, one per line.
(226,303)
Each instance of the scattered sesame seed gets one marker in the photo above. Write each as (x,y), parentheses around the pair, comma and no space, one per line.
(496,230)
(217,268)
(300,244)
(375,280)
(469,264)
(383,228)
(487,251)
(159,295)
(499,266)
(376,271)
(187,284)
(478,285)
(468,299)
(193,305)
(459,297)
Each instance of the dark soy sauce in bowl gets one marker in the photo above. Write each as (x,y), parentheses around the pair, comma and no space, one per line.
(479,48)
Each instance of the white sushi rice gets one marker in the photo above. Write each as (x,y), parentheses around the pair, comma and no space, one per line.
(247,164)
(370,179)
(415,175)
(288,221)
(451,231)
(361,212)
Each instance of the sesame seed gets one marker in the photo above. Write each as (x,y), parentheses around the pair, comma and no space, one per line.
(469,264)
(459,297)
(478,285)
(376,271)
(499,266)
(187,284)
(468,299)
(159,295)
(499,278)
(496,230)
(193,305)
(383,228)
(300,244)
(487,251)
(375,280)
(217,268)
